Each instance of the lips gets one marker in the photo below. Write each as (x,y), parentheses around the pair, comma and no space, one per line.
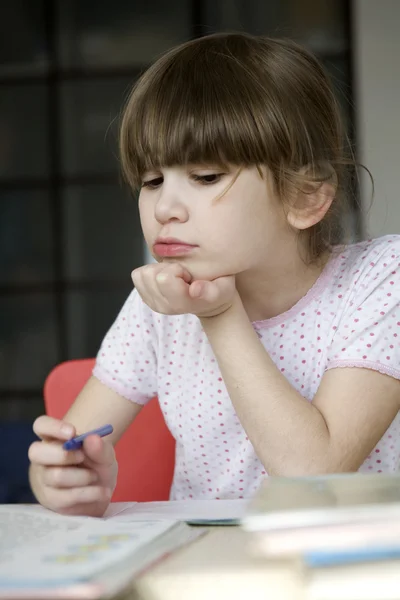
(165,247)
(171,240)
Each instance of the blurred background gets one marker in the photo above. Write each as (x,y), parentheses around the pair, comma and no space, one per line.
(69,230)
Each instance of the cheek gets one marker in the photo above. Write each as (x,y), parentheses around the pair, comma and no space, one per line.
(146,215)
(237,230)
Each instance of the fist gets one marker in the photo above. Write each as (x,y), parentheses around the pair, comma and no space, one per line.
(169,289)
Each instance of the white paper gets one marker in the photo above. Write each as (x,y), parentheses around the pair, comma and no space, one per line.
(22,525)
(117,507)
(39,547)
(185,510)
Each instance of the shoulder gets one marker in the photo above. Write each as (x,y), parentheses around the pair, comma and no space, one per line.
(369,254)
(367,265)
(367,318)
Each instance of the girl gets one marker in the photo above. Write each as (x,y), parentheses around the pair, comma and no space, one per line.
(273,350)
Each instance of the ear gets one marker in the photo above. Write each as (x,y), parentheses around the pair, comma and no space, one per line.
(310,206)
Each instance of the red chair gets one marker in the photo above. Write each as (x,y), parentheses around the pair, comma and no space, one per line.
(145,453)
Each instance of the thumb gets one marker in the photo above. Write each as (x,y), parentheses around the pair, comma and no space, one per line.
(218,290)
(98,452)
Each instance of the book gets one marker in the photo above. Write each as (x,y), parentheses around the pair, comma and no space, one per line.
(291,542)
(46,555)
(321,501)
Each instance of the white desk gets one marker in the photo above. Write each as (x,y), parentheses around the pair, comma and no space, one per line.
(217,566)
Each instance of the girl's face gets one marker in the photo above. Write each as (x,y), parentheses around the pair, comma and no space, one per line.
(244,230)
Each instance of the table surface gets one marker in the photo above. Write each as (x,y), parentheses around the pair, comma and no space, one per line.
(217,565)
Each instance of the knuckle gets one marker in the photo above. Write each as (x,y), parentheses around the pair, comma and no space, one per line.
(91,477)
(87,494)
(34,451)
(64,500)
(56,476)
(74,457)
(176,268)
(38,423)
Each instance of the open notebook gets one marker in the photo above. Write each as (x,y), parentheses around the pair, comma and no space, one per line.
(45,555)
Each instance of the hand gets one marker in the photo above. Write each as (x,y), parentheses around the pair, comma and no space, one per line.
(76,482)
(170,290)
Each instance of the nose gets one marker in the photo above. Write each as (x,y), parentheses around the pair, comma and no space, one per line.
(170,205)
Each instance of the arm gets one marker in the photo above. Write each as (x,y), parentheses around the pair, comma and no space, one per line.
(349,414)
(96,405)
(82,481)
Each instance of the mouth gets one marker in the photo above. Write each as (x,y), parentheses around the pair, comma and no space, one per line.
(165,247)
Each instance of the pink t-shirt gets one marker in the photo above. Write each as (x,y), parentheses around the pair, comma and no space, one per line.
(350,317)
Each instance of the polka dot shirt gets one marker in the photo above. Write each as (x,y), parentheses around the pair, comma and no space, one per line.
(349,318)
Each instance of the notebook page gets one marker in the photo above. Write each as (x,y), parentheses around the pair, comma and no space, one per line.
(40,547)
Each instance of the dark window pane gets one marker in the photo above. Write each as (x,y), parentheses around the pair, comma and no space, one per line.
(89,120)
(15,438)
(20,408)
(90,315)
(339,72)
(23,131)
(22,37)
(103,234)
(120,32)
(28,344)
(319,25)
(26,237)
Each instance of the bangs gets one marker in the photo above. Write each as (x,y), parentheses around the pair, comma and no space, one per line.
(194,107)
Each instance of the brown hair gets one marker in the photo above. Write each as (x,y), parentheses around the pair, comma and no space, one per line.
(245,100)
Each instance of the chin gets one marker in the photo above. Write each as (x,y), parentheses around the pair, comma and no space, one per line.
(198,269)
(206,273)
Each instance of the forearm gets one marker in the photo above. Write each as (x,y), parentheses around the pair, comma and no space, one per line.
(289,434)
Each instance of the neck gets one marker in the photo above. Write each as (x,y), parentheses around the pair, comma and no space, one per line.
(272,289)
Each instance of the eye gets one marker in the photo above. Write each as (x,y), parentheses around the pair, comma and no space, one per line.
(208,179)
(153,183)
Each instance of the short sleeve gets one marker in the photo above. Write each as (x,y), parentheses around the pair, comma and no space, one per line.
(368,333)
(127,359)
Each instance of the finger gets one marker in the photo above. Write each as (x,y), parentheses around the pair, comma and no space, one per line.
(220,290)
(52,454)
(196,289)
(63,499)
(205,290)
(175,292)
(144,285)
(172,288)
(176,270)
(69,477)
(98,452)
(137,274)
(46,427)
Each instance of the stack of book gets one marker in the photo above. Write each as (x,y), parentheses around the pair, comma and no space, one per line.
(341,531)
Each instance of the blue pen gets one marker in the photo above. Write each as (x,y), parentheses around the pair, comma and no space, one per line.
(76,442)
